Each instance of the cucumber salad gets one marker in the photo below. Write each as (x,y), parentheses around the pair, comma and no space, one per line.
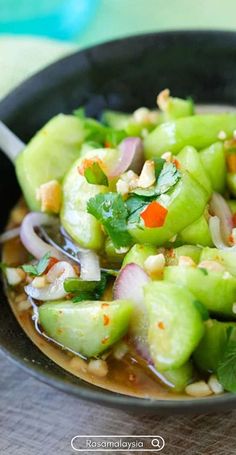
(122,251)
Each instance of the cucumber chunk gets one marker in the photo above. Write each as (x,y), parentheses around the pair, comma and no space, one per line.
(226,258)
(138,254)
(190,160)
(211,347)
(87,328)
(197,233)
(179,378)
(178,108)
(176,326)
(185,203)
(216,292)
(213,161)
(198,130)
(49,155)
(231,183)
(83,227)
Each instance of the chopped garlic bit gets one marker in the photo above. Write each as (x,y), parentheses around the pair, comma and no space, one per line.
(14,275)
(50,196)
(39,282)
(215,385)
(212,266)
(144,115)
(167,156)
(198,389)
(186,261)
(222,135)
(147,177)
(155,264)
(163,99)
(98,367)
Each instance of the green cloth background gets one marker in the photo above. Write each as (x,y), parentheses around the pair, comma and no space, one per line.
(22,56)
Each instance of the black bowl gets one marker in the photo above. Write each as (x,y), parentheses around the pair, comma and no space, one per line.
(121,75)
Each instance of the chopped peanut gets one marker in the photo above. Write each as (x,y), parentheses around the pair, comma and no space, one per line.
(18,214)
(186,261)
(163,99)
(98,367)
(155,264)
(49,194)
(24,305)
(122,187)
(198,389)
(215,385)
(147,177)
(120,350)
(222,135)
(39,282)
(212,266)
(14,275)
(144,115)
(78,364)
(167,156)
(127,182)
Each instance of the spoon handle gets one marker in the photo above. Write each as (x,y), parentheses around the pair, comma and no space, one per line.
(10,144)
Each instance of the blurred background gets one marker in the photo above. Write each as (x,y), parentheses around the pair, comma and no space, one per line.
(35,33)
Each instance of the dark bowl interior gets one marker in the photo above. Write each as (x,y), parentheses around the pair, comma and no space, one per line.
(121,75)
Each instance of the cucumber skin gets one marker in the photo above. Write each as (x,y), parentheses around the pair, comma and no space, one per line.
(231,183)
(211,348)
(190,160)
(197,233)
(49,155)
(213,161)
(138,254)
(180,377)
(215,292)
(81,326)
(172,305)
(187,203)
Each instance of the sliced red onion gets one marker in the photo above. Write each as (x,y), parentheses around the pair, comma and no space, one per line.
(32,242)
(131,157)
(129,285)
(9,235)
(10,144)
(55,289)
(89,265)
(220,208)
(216,234)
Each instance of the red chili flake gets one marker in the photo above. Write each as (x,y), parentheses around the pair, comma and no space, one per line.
(52,262)
(132,377)
(105,305)
(105,340)
(154,215)
(106,319)
(234,219)
(231,239)
(170,253)
(107,144)
(161,325)
(176,163)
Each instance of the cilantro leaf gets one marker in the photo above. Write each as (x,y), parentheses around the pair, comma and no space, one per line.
(168,177)
(135,205)
(110,210)
(38,268)
(95,293)
(159,163)
(226,371)
(95,175)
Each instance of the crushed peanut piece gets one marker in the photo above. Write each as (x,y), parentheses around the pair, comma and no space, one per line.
(14,275)
(167,156)
(50,196)
(24,305)
(147,177)
(98,367)
(215,385)
(120,350)
(222,135)
(163,99)
(39,282)
(144,115)
(186,261)
(78,364)
(154,264)
(198,389)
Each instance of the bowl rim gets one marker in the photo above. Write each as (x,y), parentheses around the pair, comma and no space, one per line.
(22,92)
